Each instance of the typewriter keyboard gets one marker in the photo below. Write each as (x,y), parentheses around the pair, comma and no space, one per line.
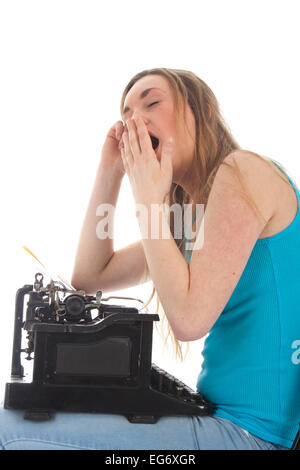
(167,383)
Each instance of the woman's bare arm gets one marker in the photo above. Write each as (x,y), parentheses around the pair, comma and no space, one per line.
(93,253)
(127,267)
(97,266)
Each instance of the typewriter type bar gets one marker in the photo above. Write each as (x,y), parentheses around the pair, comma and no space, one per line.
(85,364)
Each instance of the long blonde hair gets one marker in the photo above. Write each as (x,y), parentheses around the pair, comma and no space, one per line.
(213,143)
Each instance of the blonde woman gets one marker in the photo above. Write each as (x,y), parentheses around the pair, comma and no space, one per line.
(239,285)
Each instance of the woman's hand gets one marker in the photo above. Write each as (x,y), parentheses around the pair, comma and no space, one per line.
(150,179)
(111,154)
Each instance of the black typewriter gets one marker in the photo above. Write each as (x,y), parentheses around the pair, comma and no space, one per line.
(90,356)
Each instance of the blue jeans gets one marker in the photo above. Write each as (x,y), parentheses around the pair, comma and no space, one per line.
(84,431)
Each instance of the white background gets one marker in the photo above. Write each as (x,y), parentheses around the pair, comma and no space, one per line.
(64,65)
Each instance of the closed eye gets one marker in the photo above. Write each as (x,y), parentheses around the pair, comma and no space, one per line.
(155,102)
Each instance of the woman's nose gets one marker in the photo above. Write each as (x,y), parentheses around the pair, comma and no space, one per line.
(140,115)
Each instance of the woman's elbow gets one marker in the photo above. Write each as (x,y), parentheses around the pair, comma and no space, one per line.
(81,284)
(185,335)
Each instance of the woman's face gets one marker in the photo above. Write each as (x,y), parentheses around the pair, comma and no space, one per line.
(157,109)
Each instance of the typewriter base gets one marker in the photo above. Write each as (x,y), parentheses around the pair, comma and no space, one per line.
(40,400)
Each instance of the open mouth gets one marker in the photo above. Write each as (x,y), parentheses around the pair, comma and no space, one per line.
(155,142)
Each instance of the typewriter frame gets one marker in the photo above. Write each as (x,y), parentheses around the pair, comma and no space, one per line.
(102,366)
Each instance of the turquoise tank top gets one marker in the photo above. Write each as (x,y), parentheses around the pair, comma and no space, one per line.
(251,356)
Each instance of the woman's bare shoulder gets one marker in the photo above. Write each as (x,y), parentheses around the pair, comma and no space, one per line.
(273,194)
(254,178)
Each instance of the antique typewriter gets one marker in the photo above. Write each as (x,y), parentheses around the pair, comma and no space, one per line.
(90,356)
